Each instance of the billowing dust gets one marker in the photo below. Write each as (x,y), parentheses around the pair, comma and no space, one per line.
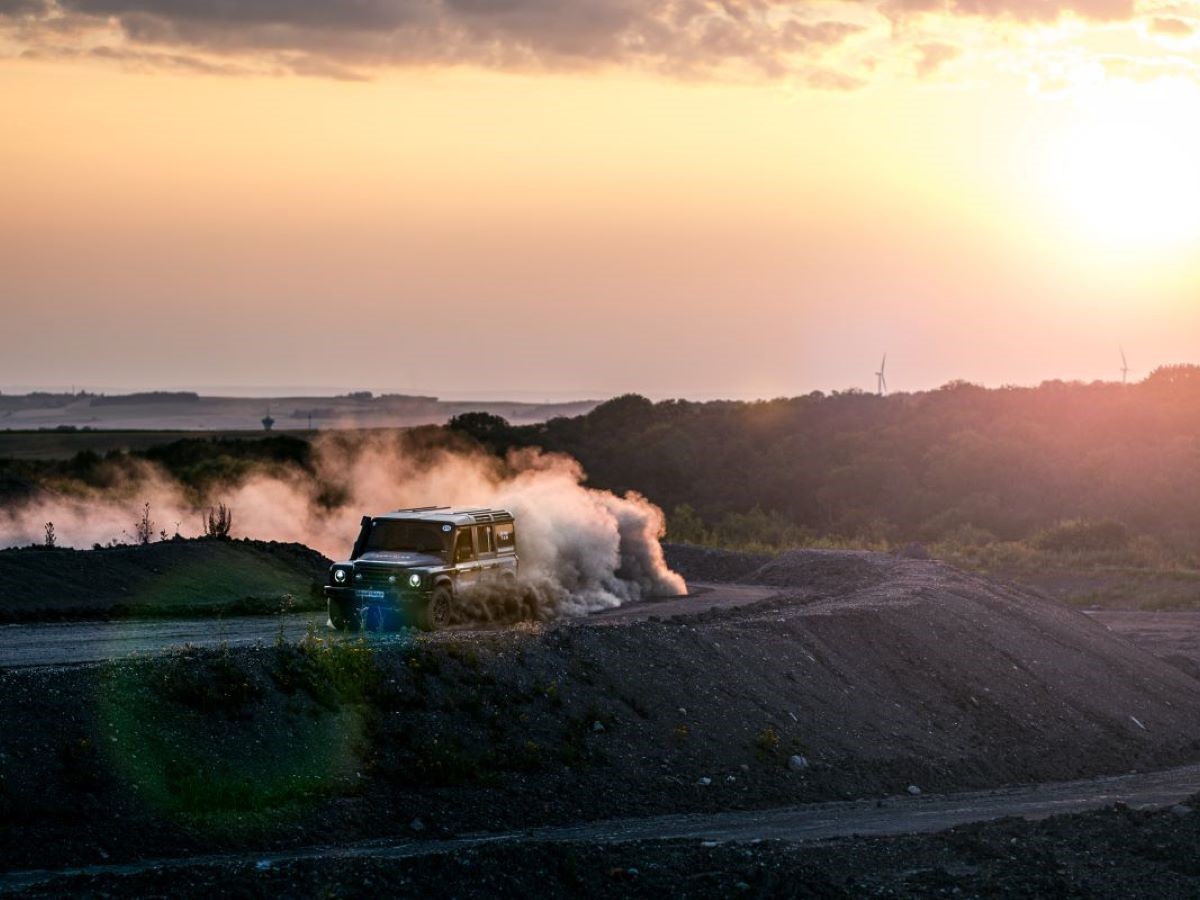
(581,549)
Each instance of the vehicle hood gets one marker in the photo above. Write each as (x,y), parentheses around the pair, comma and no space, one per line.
(400,560)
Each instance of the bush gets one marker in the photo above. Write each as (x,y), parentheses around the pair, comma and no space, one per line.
(218,522)
(1083,536)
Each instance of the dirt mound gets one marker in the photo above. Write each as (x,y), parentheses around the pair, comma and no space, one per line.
(922,676)
(697,563)
(168,578)
(812,572)
(824,572)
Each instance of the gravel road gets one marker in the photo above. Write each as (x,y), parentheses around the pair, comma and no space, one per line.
(1163,633)
(66,643)
(794,824)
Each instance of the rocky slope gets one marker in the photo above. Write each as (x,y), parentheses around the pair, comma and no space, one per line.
(879,673)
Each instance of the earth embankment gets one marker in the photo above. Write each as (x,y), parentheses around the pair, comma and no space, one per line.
(161,579)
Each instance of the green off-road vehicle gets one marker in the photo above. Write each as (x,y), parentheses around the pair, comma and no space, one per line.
(408,567)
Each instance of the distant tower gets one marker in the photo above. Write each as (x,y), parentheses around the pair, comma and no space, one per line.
(881,377)
(267,422)
(1124,368)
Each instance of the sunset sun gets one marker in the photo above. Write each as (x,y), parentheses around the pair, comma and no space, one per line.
(1122,170)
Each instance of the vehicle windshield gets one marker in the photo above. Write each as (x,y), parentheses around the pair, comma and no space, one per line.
(408,537)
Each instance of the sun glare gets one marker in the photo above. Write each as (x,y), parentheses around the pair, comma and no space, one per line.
(1123,168)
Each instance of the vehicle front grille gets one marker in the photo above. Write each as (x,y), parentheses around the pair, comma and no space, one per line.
(377,579)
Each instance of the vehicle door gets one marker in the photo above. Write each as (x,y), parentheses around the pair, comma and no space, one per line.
(485,546)
(466,563)
(506,549)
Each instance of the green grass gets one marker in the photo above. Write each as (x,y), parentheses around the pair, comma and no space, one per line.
(162,579)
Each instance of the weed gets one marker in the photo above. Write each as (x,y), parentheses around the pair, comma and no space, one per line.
(143,528)
(209,683)
(767,741)
(464,653)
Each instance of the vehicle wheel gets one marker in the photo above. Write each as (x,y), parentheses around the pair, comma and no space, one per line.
(337,618)
(437,610)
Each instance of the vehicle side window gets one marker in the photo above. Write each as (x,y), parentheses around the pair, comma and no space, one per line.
(486,543)
(505,536)
(464,548)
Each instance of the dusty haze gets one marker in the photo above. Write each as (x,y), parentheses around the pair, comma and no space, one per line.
(581,549)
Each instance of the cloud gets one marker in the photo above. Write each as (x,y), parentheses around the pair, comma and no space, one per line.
(1143,69)
(344,38)
(1019,10)
(142,60)
(1171,27)
(820,44)
(931,57)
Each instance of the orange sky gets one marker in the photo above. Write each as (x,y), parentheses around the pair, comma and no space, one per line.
(677,198)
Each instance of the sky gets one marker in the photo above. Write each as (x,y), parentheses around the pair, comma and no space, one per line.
(749,198)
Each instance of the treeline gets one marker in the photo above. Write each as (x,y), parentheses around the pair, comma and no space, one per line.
(198,464)
(961,464)
(958,462)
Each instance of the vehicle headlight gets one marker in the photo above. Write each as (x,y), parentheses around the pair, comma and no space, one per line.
(339,575)
(414,580)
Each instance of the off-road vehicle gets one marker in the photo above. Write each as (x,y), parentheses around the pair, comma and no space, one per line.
(408,567)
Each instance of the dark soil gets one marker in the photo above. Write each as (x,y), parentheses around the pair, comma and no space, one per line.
(710,564)
(1114,853)
(814,572)
(161,579)
(905,672)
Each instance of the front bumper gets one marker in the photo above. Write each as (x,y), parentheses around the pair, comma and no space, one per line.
(388,607)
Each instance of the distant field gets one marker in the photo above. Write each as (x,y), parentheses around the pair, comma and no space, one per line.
(65,444)
(181,411)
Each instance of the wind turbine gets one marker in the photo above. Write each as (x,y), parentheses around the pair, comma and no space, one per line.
(1124,367)
(881,377)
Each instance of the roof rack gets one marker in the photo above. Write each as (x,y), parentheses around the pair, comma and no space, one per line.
(460,514)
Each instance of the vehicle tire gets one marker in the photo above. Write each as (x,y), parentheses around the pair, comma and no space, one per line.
(436,614)
(338,619)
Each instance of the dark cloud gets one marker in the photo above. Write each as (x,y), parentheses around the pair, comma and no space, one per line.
(365,14)
(23,7)
(685,37)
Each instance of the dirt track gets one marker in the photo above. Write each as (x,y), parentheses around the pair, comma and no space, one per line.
(880,673)
(66,643)
(793,824)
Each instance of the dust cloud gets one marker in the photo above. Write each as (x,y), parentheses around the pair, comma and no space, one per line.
(581,549)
